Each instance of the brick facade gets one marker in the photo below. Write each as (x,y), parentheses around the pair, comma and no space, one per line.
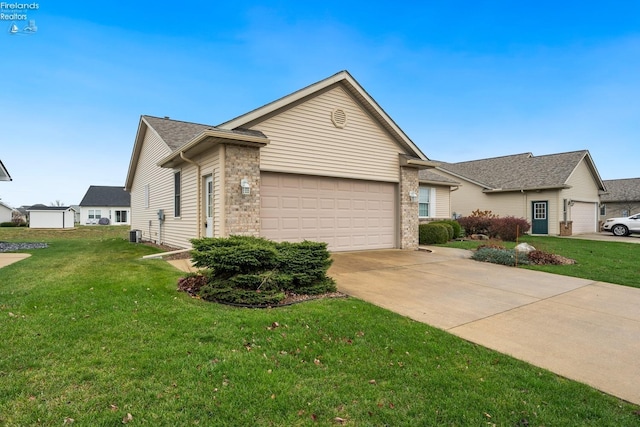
(242,212)
(408,208)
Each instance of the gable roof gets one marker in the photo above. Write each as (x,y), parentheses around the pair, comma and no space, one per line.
(523,171)
(344,79)
(4,174)
(6,206)
(99,195)
(622,190)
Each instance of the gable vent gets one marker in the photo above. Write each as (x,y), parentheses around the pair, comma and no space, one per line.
(339,118)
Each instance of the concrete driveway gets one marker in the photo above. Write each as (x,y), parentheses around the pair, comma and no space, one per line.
(584,330)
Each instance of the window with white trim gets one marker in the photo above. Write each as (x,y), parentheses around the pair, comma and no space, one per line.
(121,216)
(95,214)
(424,202)
(176,194)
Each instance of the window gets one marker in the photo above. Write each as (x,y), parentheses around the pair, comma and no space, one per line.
(625,212)
(603,210)
(424,202)
(176,194)
(121,216)
(95,214)
(146,196)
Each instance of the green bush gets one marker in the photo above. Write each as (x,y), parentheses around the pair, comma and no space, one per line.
(448,226)
(256,271)
(499,256)
(433,234)
(457,228)
(8,224)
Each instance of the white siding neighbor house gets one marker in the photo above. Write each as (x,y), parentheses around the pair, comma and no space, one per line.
(324,163)
(41,216)
(5,213)
(112,203)
(559,194)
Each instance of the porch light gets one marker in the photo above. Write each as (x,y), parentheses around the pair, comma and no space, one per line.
(246,188)
(413,196)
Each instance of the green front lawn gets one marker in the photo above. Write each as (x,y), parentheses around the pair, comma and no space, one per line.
(90,334)
(612,262)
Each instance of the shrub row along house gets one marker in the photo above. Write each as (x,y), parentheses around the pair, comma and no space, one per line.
(327,163)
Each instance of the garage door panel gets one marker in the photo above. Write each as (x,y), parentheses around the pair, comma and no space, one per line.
(584,217)
(346,214)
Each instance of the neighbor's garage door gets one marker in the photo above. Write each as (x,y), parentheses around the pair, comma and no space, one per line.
(583,215)
(347,214)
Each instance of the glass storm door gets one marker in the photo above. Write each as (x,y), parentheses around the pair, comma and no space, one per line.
(208,205)
(540,222)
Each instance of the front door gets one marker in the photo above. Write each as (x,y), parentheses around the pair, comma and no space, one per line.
(540,222)
(208,205)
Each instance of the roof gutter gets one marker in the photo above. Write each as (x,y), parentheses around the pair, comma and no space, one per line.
(522,190)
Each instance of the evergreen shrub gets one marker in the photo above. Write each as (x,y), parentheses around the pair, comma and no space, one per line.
(433,234)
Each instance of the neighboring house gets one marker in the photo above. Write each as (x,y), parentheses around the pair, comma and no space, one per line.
(41,216)
(4,174)
(76,208)
(559,194)
(324,163)
(102,201)
(621,199)
(434,197)
(6,213)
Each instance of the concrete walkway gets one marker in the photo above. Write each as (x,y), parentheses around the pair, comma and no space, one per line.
(10,258)
(584,330)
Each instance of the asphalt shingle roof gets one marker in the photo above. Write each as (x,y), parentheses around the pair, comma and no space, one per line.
(622,190)
(98,195)
(430,176)
(176,133)
(519,171)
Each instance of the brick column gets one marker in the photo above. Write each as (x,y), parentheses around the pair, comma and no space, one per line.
(242,212)
(408,209)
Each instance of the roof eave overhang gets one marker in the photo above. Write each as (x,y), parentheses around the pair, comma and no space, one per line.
(417,163)
(135,154)
(4,173)
(441,183)
(206,140)
(527,189)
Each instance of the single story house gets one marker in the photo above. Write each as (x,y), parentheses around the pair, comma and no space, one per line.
(4,174)
(559,194)
(6,213)
(621,199)
(113,203)
(324,163)
(434,196)
(41,216)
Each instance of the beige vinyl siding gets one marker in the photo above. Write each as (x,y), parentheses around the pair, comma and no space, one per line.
(443,202)
(583,186)
(304,140)
(160,182)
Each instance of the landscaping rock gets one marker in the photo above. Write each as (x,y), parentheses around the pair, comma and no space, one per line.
(524,247)
(11,247)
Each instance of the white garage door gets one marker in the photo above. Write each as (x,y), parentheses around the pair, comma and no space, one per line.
(583,215)
(346,214)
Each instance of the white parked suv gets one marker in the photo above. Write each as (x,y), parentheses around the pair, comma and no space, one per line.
(623,226)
